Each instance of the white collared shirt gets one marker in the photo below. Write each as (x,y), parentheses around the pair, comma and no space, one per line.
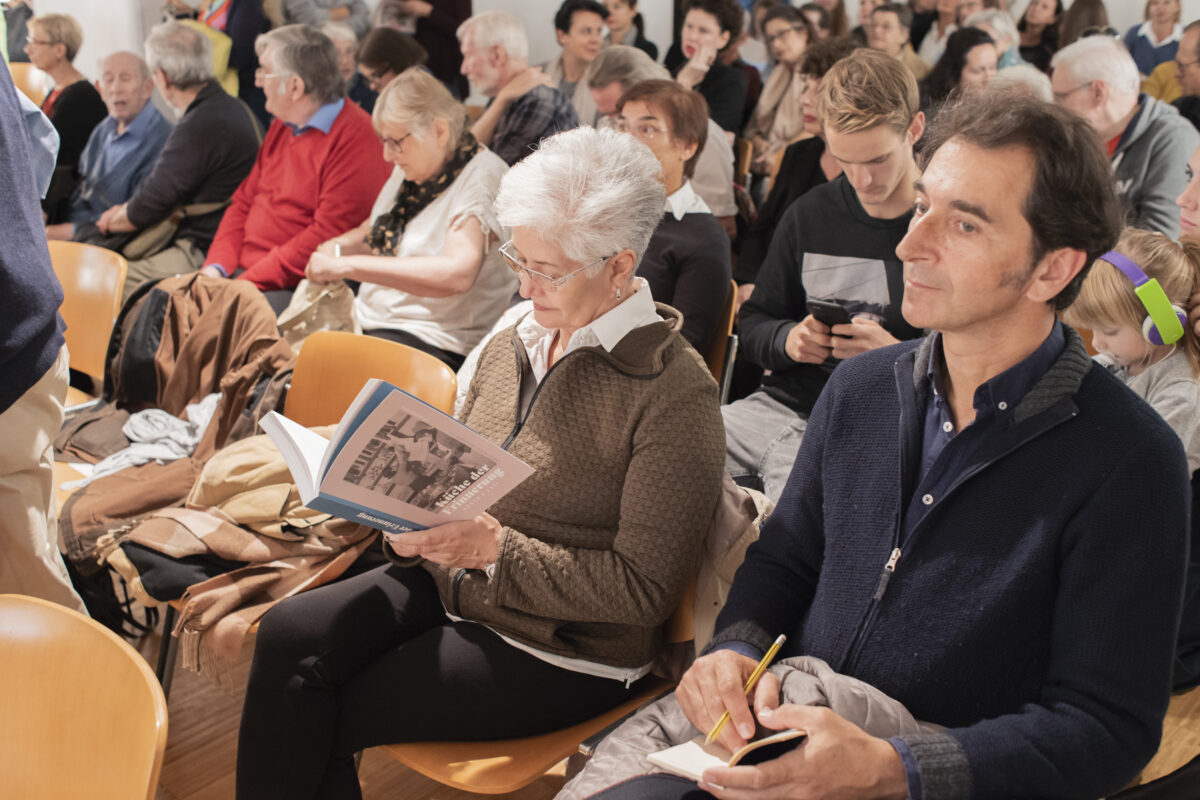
(684,200)
(1147,30)
(605,331)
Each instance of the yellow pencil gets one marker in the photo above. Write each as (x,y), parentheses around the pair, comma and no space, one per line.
(754,676)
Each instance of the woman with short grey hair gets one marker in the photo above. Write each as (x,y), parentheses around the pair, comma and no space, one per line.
(182,53)
(1000,26)
(428,255)
(545,611)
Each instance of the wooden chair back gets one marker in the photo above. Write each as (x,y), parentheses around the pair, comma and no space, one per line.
(92,279)
(81,713)
(743,151)
(333,366)
(507,765)
(715,357)
(29,80)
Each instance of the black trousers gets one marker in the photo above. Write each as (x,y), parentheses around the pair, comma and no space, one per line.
(455,360)
(373,660)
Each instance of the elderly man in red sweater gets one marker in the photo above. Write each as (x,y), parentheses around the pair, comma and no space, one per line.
(317,174)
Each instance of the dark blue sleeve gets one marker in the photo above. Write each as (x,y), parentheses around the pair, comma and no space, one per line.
(776,583)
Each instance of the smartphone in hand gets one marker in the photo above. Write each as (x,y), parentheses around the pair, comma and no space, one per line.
(828,312)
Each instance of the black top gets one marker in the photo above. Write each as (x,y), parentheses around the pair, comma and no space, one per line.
(921,24)
(646,46)
(687,267)
(31,331)
(205,158)
(724,89)
(360,93)
(1040,54)
(828,247)
(1189,107)
(799,171)
(77,111)
(437,33)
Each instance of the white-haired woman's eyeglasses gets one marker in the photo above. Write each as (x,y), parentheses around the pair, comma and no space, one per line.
(516,264)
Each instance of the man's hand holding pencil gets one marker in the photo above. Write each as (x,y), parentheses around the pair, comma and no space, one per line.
(836,759)
(716,684)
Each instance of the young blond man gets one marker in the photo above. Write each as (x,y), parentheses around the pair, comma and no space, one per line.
(836,244)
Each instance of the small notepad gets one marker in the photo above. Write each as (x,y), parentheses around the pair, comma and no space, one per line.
(690,759)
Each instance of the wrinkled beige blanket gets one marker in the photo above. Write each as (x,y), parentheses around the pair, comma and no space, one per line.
(244,507)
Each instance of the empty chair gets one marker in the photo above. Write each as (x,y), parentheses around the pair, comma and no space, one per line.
(92,278)
(333,366)
(30,80)
(81,714)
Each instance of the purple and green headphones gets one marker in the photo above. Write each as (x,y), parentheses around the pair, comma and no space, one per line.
(1165,321)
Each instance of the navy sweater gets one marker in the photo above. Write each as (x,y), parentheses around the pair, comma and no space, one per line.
(31,331)
(1033,612)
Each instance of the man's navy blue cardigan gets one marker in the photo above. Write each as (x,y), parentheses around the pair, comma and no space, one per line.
(1033,612)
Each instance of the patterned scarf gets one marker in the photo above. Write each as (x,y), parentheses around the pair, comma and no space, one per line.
(216,15)
(414,197)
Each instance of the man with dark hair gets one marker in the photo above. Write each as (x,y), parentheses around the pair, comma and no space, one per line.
(959,529)
(889,32)
(1187,73)
(316,175)
(579,27)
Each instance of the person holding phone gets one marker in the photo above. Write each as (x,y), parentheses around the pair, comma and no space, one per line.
(835,248)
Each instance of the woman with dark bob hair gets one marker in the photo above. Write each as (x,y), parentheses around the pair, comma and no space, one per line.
(546,610)
(1039,32)
(687,261)
(386,52)
(968,63)
(709,27)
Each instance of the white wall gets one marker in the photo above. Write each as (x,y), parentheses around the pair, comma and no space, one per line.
(110,25)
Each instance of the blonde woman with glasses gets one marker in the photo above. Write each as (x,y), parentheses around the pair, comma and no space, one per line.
(427,257)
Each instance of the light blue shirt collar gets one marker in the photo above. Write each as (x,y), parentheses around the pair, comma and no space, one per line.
(322,120)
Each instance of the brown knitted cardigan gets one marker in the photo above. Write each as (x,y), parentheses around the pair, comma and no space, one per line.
(598,545)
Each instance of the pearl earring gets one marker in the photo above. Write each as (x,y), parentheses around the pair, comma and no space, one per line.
(618,294)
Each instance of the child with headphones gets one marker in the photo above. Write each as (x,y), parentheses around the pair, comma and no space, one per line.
(1135,301)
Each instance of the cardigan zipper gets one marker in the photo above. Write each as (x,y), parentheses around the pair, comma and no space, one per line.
(889,569)
(522,418)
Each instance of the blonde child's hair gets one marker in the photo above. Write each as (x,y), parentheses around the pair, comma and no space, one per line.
(1107,297)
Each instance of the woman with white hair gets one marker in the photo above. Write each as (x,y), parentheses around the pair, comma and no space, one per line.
(546,610)
(427,256)
(346,41)
(1000,26)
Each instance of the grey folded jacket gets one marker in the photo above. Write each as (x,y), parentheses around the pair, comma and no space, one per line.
(804,681)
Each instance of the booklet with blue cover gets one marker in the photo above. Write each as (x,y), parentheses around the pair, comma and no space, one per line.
(395,463)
